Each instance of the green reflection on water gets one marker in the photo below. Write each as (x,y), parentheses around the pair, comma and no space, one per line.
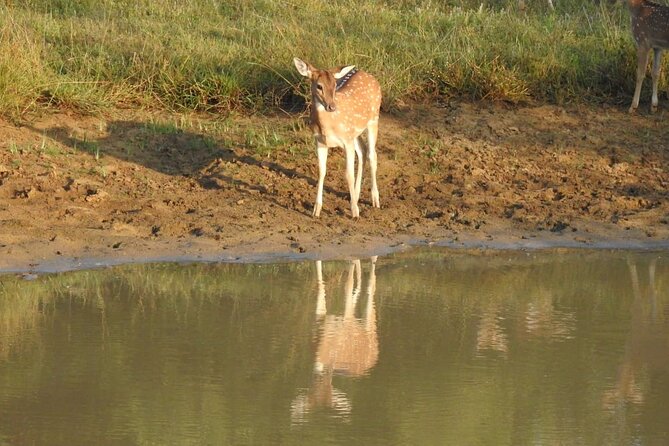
(432,347)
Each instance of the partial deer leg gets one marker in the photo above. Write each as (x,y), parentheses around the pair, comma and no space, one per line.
(657,59)
(322,150)
(349,308)
(642,62)
(358,175)
(321,306)
(350,177)
(372,131)
(352,288)
(370,313)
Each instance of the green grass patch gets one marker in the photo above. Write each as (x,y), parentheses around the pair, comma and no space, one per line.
(92,147)
(263,140)
(48,149)
(229,55)
(13,148)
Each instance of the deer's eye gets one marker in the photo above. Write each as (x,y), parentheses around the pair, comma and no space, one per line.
(319,87)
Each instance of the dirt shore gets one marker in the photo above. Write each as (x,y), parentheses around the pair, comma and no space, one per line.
(133,186)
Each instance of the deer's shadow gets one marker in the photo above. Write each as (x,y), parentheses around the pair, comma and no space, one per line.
(173,151)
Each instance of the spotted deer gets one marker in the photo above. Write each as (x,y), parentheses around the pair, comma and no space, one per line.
(348,345)
(344,103)
(650,27)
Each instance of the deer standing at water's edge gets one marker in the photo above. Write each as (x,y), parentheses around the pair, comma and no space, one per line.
(650,28)
(344,103)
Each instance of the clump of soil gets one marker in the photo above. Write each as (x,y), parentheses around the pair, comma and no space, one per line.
(133,186)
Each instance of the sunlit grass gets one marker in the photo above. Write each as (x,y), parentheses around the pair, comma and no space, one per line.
(223,56)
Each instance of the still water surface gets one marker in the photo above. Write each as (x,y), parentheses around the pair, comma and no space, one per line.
(427,348)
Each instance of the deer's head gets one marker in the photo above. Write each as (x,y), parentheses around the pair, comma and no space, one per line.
(323,82)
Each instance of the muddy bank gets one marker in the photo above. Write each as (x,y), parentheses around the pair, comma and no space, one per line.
(138,186)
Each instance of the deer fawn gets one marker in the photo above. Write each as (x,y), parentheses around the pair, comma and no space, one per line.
(344,102)
(650,27)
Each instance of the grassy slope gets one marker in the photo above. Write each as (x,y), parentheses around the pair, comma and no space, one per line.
(222,55)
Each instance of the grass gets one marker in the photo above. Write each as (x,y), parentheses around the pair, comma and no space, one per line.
(237,56)
(13,148)
(48,149)
(264,140)
(92,147)
(44,147)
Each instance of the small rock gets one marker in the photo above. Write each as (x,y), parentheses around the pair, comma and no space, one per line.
(94,195)
(559,226)
(27,192)
(433,215)
(197,232)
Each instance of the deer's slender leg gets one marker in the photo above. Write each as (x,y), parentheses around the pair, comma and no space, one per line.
(321,306)
(358,174)
(322,150)
(642,61)
(370,313)
(372,131)
(349,306)
(657,59)
(350,177)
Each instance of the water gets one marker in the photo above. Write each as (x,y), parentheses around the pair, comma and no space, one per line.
(427,348)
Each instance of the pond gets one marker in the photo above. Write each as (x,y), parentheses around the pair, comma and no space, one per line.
(429,347)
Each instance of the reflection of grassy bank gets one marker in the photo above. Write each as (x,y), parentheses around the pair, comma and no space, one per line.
(509,279)
(25,304)
(21,310)
(543,291)
(216,353)
(231,55)
(556,320)
(158,325)
(521,274)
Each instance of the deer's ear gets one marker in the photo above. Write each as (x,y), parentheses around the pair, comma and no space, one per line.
(303,67)
(343,71)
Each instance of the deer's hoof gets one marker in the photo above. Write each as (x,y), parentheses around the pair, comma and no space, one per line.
(375,200)
(317,210)
(631,110)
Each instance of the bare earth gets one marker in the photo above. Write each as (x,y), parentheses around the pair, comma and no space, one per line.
(140,186)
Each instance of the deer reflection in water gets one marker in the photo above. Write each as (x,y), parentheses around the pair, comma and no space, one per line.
(647,346)
(544,320)
(540,319)
(348,345)
(490,334)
